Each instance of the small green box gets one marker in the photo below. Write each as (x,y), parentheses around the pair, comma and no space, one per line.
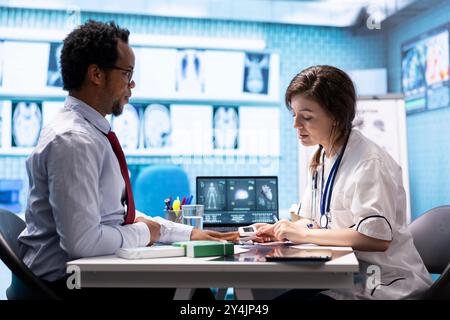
(205,248)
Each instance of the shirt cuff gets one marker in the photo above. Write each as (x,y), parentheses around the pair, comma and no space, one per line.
(135,235)
(376,227)
(173,232)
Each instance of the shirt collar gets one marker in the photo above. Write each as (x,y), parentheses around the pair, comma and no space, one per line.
(89,113)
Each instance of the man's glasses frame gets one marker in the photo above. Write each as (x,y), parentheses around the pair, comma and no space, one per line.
(128,71)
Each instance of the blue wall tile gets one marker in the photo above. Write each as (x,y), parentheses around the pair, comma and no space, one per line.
(427,132)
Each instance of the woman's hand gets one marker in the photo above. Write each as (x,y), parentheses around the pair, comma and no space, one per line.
(282,230)
(264,232)
(285,229)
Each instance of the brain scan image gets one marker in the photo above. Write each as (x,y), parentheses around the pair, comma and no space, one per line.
(26,123)
(190,74)
(256,73)
(241,194)
(157,126)
(126,127)
(226,128)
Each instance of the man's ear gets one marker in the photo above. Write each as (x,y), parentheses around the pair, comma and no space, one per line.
(95,74)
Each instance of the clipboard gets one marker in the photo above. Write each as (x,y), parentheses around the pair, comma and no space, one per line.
(296,254)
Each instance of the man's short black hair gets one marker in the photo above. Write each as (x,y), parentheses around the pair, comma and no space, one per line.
(92,43)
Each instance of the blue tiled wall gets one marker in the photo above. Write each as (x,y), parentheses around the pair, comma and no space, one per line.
(298,46)
(427,132)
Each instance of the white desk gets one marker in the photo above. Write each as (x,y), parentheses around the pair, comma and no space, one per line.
(185,273)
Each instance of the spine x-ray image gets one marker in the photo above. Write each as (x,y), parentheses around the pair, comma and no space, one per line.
(256,73)
(157,126)
(225,127)
(26,123)
(189,72)
(54,78)
(126,126)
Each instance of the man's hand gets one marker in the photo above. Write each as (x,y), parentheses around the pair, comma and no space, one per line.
(214,235)
(153,226)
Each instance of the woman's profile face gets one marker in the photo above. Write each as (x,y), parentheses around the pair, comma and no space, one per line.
(313,124)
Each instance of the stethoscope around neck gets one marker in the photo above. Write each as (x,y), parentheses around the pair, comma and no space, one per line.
(325,195)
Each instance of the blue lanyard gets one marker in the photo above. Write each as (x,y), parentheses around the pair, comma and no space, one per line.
(326,197)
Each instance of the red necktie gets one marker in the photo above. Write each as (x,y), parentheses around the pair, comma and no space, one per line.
(129,218)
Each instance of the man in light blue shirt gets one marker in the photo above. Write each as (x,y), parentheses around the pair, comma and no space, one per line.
(75,206)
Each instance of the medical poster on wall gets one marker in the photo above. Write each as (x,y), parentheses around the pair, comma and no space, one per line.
(54,78)
(192,134)
(23,59)
(126,126)
(225,127)
(190,74)
(259,130)
(49,110)
(26,123)
(256,73)
(155,72)
(378,121)
(156,126)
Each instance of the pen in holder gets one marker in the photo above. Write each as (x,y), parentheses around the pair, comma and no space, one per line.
(173,215)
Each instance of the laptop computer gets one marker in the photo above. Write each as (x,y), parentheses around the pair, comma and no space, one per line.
(233,202)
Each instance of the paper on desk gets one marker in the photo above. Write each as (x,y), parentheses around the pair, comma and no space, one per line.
(238,249)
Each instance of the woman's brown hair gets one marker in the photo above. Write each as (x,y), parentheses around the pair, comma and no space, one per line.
(333,90)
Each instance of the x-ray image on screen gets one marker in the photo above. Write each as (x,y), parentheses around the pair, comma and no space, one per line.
(126,126)
(256,73)
(157,126)
(241,194)
(190,72)
(225,127)
(266,194)
(211,193)
(26,123)
(54,78)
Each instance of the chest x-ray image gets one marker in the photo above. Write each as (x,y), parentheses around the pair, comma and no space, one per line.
(54,78)
(190,72)
(126,127)
(256,73)
(225,127)
(157,126)
(26,123)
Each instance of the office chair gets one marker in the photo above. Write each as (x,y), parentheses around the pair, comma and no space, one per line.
(431,235)
(24,284)
(156,183)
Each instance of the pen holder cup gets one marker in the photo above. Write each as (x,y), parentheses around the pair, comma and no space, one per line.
(294,216)
(173,215)
(193,215)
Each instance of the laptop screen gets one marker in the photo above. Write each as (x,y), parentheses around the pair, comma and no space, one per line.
(238,200)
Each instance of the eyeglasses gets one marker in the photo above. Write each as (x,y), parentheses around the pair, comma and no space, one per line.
(129,72)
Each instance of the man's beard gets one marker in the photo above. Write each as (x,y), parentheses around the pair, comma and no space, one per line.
(117,108)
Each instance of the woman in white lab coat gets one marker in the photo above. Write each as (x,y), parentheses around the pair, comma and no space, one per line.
(355,195)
